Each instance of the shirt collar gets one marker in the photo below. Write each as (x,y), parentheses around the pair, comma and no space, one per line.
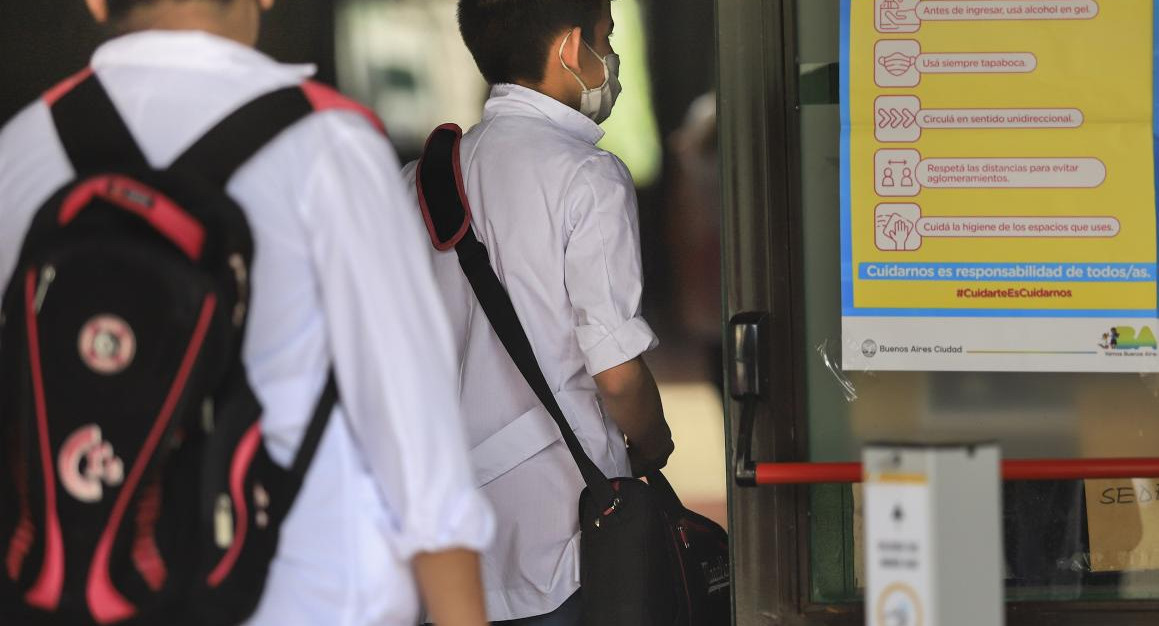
(196,50)
(507,98)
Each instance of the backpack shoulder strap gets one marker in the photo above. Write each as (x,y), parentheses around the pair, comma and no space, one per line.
(448,217)
(325,98)
(315,428)
(241,135)
(93,133)
(216,157)
(237,138)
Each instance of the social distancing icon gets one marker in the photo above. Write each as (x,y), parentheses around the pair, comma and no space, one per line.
(895,173)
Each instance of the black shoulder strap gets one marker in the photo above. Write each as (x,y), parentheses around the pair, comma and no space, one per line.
(216,157)
(93,133)
(316,428)
(238,137)
(440,185)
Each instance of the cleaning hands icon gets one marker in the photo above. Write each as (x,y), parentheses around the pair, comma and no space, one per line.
(896,229)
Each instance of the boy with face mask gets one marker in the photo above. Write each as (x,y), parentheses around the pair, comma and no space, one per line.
(388,509)
(559,218)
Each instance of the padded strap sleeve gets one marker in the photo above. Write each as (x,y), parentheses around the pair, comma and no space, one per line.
(439,178)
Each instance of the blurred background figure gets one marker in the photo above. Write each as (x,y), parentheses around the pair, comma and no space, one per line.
(405,59)
(694,232)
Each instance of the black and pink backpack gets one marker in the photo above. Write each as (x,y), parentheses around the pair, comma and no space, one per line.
(134,484)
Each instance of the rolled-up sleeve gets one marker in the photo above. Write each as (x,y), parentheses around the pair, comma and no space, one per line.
(391,341)
(604,274)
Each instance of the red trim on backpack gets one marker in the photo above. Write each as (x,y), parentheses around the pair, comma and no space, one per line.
(242,458)
(105,603)
(162,213)
(52,96)
(20,545)
(146,556)
(45,594)
(324,98)
(25,534)
(457,164)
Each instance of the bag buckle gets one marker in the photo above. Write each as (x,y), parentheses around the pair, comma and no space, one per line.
(611,510)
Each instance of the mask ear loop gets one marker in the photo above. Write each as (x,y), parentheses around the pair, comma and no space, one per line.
(564,64)
(603,60)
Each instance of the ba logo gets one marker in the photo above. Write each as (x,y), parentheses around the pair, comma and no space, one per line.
(1128,338)
(87,463)
(869,348)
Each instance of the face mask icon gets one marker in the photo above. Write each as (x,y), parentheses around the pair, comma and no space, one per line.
(897,63)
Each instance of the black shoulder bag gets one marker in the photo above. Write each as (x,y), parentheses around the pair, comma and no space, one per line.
(645,560)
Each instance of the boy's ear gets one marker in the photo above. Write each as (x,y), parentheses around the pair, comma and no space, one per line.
(99,10)
(266,4)
(572,40)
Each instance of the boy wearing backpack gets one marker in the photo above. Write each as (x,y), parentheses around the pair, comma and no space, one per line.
(225,371)
(558,217)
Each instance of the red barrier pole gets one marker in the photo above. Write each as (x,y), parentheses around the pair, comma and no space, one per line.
(1079,469)
(807,473)
(1045,469)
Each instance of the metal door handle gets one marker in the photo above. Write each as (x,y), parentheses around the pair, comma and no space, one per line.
(748,382)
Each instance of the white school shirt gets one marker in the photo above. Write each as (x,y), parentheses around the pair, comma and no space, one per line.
(559,219)
(340,276)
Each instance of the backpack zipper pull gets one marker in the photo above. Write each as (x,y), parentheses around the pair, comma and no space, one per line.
(237,263)
(208,416)
(223,522)
(47,275)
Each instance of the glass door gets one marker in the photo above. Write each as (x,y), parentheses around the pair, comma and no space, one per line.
(1082,552)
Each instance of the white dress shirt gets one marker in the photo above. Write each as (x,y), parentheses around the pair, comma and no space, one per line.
(341,276)
(559,219)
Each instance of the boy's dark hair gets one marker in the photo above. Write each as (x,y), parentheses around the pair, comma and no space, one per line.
(510,38)
(120,8)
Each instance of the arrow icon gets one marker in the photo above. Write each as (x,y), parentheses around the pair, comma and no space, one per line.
(896,118)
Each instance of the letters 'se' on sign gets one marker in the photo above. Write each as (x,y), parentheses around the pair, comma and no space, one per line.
(1123,521)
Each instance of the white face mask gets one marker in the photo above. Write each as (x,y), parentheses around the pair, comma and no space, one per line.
(597,103)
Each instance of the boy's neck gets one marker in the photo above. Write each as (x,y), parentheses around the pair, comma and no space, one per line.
(184,16)
(554,90)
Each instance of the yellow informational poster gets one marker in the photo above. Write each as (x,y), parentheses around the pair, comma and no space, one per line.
(998,161)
